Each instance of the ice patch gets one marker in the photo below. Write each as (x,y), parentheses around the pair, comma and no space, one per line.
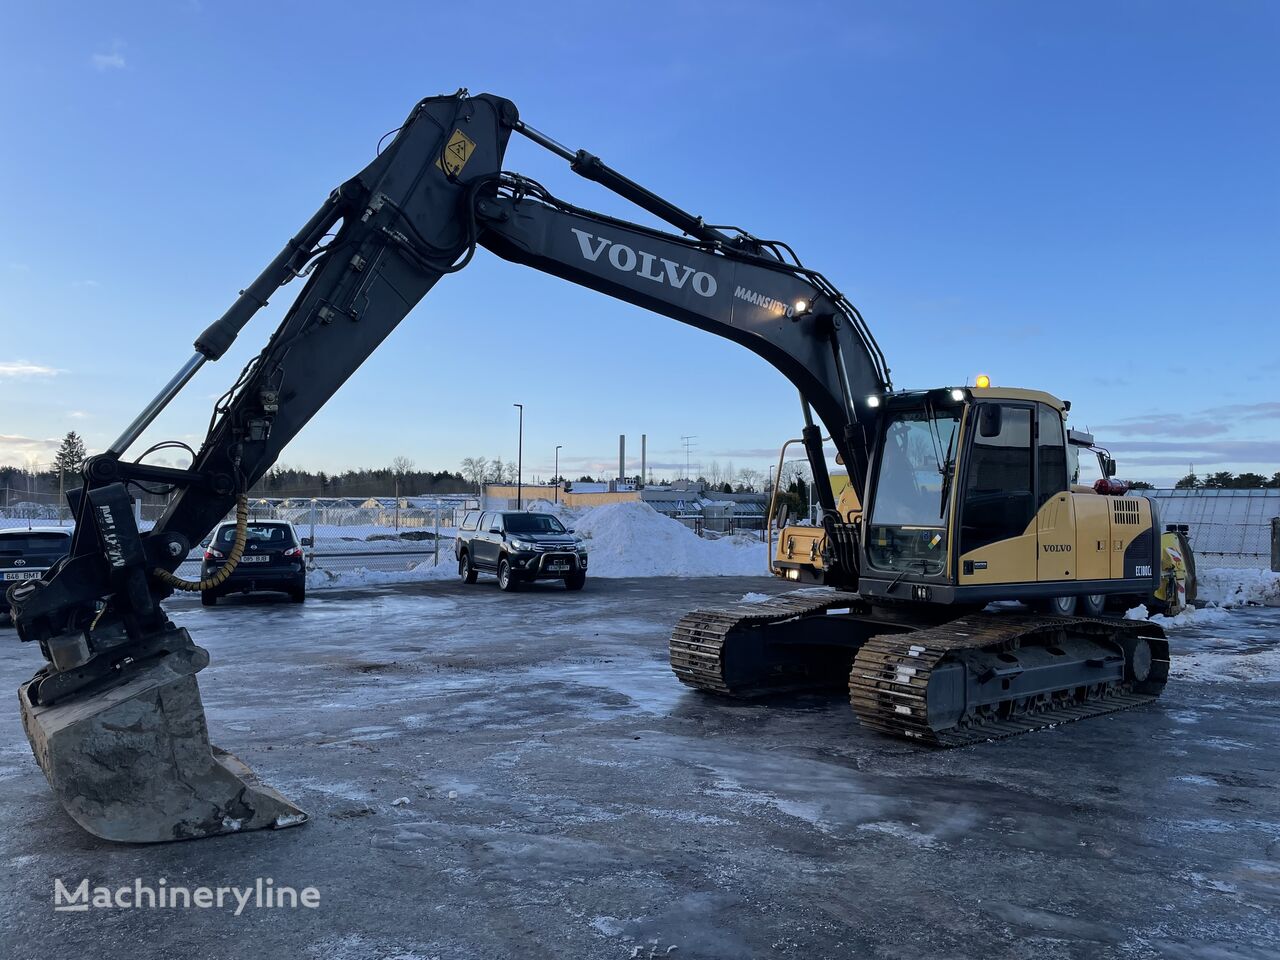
(892,829)
(755,598)
(1197,780)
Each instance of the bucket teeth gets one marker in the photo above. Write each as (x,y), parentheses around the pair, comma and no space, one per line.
(133,763)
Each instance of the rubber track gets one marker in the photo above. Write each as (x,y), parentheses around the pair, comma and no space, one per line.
(698,639)
(890,675)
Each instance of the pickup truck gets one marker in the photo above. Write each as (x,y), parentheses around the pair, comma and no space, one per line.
(519,547)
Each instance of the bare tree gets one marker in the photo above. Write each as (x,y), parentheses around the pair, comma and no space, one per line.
(749,479)
(401,465)
(475,470)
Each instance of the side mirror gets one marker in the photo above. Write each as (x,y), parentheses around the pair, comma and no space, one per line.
(782,516)
(1110,465)
(308,542)
(569,530)
(991,420)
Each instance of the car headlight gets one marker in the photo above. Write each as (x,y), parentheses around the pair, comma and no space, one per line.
(523,545)
(580,546)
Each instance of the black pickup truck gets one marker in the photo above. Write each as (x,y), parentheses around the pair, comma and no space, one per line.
(519,547)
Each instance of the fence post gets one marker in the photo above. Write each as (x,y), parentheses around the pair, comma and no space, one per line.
(437,563)
(312,558)
(1275,544)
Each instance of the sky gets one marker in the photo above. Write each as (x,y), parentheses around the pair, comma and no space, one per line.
(1080,197)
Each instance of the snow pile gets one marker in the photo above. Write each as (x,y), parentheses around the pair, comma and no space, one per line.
(1229,587)
(755,598)
(320,578)
(634,540)
(1190,617)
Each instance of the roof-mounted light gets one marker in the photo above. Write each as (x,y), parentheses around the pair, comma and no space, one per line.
(957,394)
(801,306)
(873,401)
(982,382)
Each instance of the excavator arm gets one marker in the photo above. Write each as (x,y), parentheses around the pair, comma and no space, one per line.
(114,716)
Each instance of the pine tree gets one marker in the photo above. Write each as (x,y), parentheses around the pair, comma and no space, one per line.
(70,456)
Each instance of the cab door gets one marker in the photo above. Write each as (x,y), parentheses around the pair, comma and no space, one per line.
(998,537)
(492,539)
(483,550)
(1055,507)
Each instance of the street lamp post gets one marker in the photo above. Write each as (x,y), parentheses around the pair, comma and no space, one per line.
(520,461)
(558,446)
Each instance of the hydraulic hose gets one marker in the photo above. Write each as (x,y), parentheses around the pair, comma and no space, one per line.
(233,557)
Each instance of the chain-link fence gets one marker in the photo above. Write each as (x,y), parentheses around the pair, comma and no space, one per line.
(1227,528)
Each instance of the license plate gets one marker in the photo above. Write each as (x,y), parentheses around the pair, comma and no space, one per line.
(22,575)
(254,559)
(558,565)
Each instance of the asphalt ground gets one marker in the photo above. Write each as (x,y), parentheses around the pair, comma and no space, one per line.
(521,776)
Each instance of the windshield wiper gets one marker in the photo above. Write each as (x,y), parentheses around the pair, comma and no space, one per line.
(948,471)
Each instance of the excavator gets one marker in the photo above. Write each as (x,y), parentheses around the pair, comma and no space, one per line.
(964,494)
(801,547)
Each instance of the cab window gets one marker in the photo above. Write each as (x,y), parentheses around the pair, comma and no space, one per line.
(1051,456)
(998,494)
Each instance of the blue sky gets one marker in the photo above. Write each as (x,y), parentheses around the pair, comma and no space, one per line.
(1077,197)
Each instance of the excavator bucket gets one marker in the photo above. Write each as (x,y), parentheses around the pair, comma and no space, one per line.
(133,763)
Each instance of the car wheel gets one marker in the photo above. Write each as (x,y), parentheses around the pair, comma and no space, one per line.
(208,598)
(506,576)
(299,593)
(575,581)
(1092,605)
(466,570)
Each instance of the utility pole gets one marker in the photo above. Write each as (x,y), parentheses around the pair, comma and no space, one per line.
(520,461)
(558,446)
(688,442)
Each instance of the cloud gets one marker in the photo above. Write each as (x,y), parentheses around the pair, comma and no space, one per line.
(18,450)
(1213,422)
(23,369)
(77,414)
(109,61)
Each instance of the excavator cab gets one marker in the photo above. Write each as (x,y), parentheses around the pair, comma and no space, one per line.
(970,499)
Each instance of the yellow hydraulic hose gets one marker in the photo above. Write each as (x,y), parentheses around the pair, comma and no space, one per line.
(233,557)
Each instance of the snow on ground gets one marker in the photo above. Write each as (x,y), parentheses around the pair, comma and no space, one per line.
(1259,665)
(321,578)
(1229,587)
(1190,617)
